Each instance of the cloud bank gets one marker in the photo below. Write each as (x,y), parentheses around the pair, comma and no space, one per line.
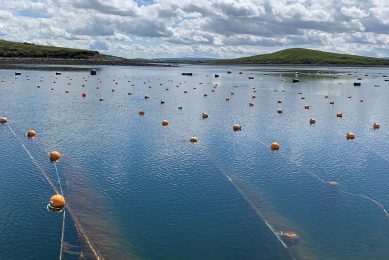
(201,28)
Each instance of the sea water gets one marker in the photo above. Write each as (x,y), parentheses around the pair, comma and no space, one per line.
(139,190)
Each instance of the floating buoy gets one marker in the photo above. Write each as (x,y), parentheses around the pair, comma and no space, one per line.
(290,237)
(361,100)
(279,101)
(325,96)
(333,183)
(162,102)
(141,112)
(236,127)
(180,108)
(332,102)
(165,122)
(253,96)
(279,111)
(3,120)
(205,115)
(376,126)
(275,146)
(83,94)
(193,139)
(147,97)
(101,99)
(306,107)
(350,136)
(57,203)
(302,97)
(340,115)
(205,94)
(55,156)
(251,104)
(312,121)
(227,99)
(31,133)
(129,93)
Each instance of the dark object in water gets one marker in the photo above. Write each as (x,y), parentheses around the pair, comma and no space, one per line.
(187,74)
(357,84)
(18,73)
(93,72)
(295,80)
(58,73)
(229,72)
(216,75)
(251,77)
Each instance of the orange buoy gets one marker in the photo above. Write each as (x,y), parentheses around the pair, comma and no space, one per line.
(275,146)
(31,133)
(141,112)
(165,122)
(312,121)
(193,139)
(57,203)
(350,136)
(376,126)
(3,120)
(205,115)
(290,237)
(236,127)
(306,107)
(339,114)
(55,156)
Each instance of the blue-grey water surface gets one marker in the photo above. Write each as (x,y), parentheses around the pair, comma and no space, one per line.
(139,190)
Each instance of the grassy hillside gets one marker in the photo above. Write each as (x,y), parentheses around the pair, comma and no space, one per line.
(305,56)
(27,50)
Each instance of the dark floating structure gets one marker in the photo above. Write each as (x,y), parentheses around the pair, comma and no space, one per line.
(295,80)
(93,72)
(357,84)
(187,74)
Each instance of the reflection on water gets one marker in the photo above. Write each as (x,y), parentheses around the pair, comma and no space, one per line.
(136,189)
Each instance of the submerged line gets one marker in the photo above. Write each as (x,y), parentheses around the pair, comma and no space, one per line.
(44,174)
(62,234)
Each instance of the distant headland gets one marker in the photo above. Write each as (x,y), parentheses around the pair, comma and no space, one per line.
(28,53)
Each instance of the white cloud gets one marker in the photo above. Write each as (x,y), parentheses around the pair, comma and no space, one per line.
(211,28)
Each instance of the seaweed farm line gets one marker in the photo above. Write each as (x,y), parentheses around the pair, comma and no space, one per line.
(194,162)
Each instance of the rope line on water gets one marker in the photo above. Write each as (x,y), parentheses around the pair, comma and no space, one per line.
(49,181)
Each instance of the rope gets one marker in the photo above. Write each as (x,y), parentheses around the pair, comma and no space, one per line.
(49,181)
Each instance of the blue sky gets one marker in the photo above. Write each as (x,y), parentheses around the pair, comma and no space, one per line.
(201,28)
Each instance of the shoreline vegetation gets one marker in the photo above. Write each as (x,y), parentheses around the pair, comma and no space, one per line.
(13,53)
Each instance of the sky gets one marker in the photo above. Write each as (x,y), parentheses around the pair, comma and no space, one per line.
(200,28)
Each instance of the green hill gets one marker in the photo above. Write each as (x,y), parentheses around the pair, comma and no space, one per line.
(28,50)
(300,56)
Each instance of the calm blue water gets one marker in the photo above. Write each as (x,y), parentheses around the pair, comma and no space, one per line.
(138,190)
